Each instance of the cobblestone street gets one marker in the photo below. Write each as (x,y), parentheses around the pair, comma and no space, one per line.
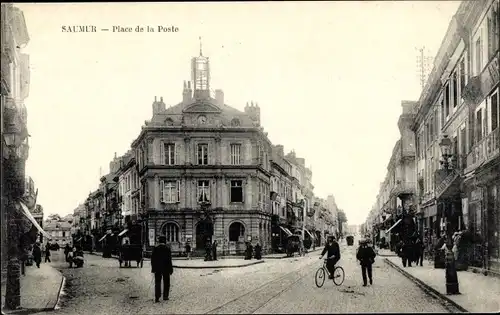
(275,286)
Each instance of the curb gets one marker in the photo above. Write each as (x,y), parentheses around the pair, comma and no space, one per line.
(61,287)
(50,306)
(448,303)
(220,267)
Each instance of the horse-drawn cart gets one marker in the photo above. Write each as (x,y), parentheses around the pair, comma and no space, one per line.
(129,252)
(131,248)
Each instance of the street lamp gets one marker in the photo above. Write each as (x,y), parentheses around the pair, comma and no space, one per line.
(452,286)
(445,145)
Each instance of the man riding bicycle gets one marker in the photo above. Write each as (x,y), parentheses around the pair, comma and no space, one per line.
(333,251)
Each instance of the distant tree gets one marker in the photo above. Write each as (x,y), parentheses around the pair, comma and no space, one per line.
(54,217)
(341,218)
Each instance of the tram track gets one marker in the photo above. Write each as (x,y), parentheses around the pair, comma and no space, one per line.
(252,301)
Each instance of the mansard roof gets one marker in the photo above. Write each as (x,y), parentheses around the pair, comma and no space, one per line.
(225,113)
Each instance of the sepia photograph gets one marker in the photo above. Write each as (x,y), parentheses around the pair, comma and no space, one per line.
(259,157)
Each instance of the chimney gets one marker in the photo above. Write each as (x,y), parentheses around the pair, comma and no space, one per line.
(158,107)
(280,149)
(253,111)
(219,97)
(187,93)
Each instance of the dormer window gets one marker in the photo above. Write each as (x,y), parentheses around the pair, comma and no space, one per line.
(169,122)
(235,122)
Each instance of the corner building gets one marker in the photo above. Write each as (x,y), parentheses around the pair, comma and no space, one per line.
(204,171)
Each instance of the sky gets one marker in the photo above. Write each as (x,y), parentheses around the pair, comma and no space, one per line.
(329,78)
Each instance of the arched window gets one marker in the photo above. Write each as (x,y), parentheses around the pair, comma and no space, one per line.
(169,122)
(236,230)
(171,231)
(235,122)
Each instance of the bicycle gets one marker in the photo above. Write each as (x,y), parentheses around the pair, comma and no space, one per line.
(338,275)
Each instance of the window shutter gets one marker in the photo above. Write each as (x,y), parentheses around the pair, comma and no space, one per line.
(243,191)
(162,191)
(209,155)
(176,156)
(162,153)
(197,148)
(178,191)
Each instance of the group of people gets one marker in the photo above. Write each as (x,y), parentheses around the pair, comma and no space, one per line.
(411,251)
(250,251)
(37,253)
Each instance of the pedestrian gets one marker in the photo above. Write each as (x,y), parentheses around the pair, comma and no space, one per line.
(249,251)
(162,268)
(47,253)
(67,251)
(419,248)
(407,252)
(188,250)
(214,250)
(258,252)
(366,256)
(37,254)
(208,250)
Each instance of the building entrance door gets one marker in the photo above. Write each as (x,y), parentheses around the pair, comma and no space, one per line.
(204,231)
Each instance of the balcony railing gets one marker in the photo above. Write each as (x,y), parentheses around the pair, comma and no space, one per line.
(403,187)
(485,150)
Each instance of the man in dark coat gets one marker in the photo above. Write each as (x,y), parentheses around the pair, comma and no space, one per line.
(67,250)
(161,266)
(332,249)
(366,256)
(37,254)
(214,250)
(47,253)
(249,251)
(258,252)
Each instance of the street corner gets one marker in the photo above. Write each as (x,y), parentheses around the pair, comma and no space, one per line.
(226,263)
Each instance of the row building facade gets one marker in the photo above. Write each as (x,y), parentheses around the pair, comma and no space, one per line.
(201,171)
(457,139)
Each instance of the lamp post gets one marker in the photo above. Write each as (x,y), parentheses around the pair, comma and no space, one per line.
(452,286)
(13,169)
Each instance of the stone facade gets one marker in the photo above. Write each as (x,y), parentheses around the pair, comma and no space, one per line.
(456,130)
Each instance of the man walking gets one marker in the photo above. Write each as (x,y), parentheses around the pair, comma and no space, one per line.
(366,256)
(47,253)
(37,254)
(214,250)
(332,249)
(161,266)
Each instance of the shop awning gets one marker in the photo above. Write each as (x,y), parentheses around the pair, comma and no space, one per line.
(102,238)
(394,225)
(312,236)
(30,217)
(123,232)
(287,231)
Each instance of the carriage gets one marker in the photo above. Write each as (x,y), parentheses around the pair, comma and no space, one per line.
(294,244)
(350,240)
(131,248)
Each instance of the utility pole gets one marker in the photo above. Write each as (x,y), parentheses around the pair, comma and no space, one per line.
(424,65)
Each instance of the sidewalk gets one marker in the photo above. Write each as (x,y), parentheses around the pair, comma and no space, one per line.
(40,290)
(479,294)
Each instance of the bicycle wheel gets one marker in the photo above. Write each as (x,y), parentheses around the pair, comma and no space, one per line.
(320,277)
(338,275)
